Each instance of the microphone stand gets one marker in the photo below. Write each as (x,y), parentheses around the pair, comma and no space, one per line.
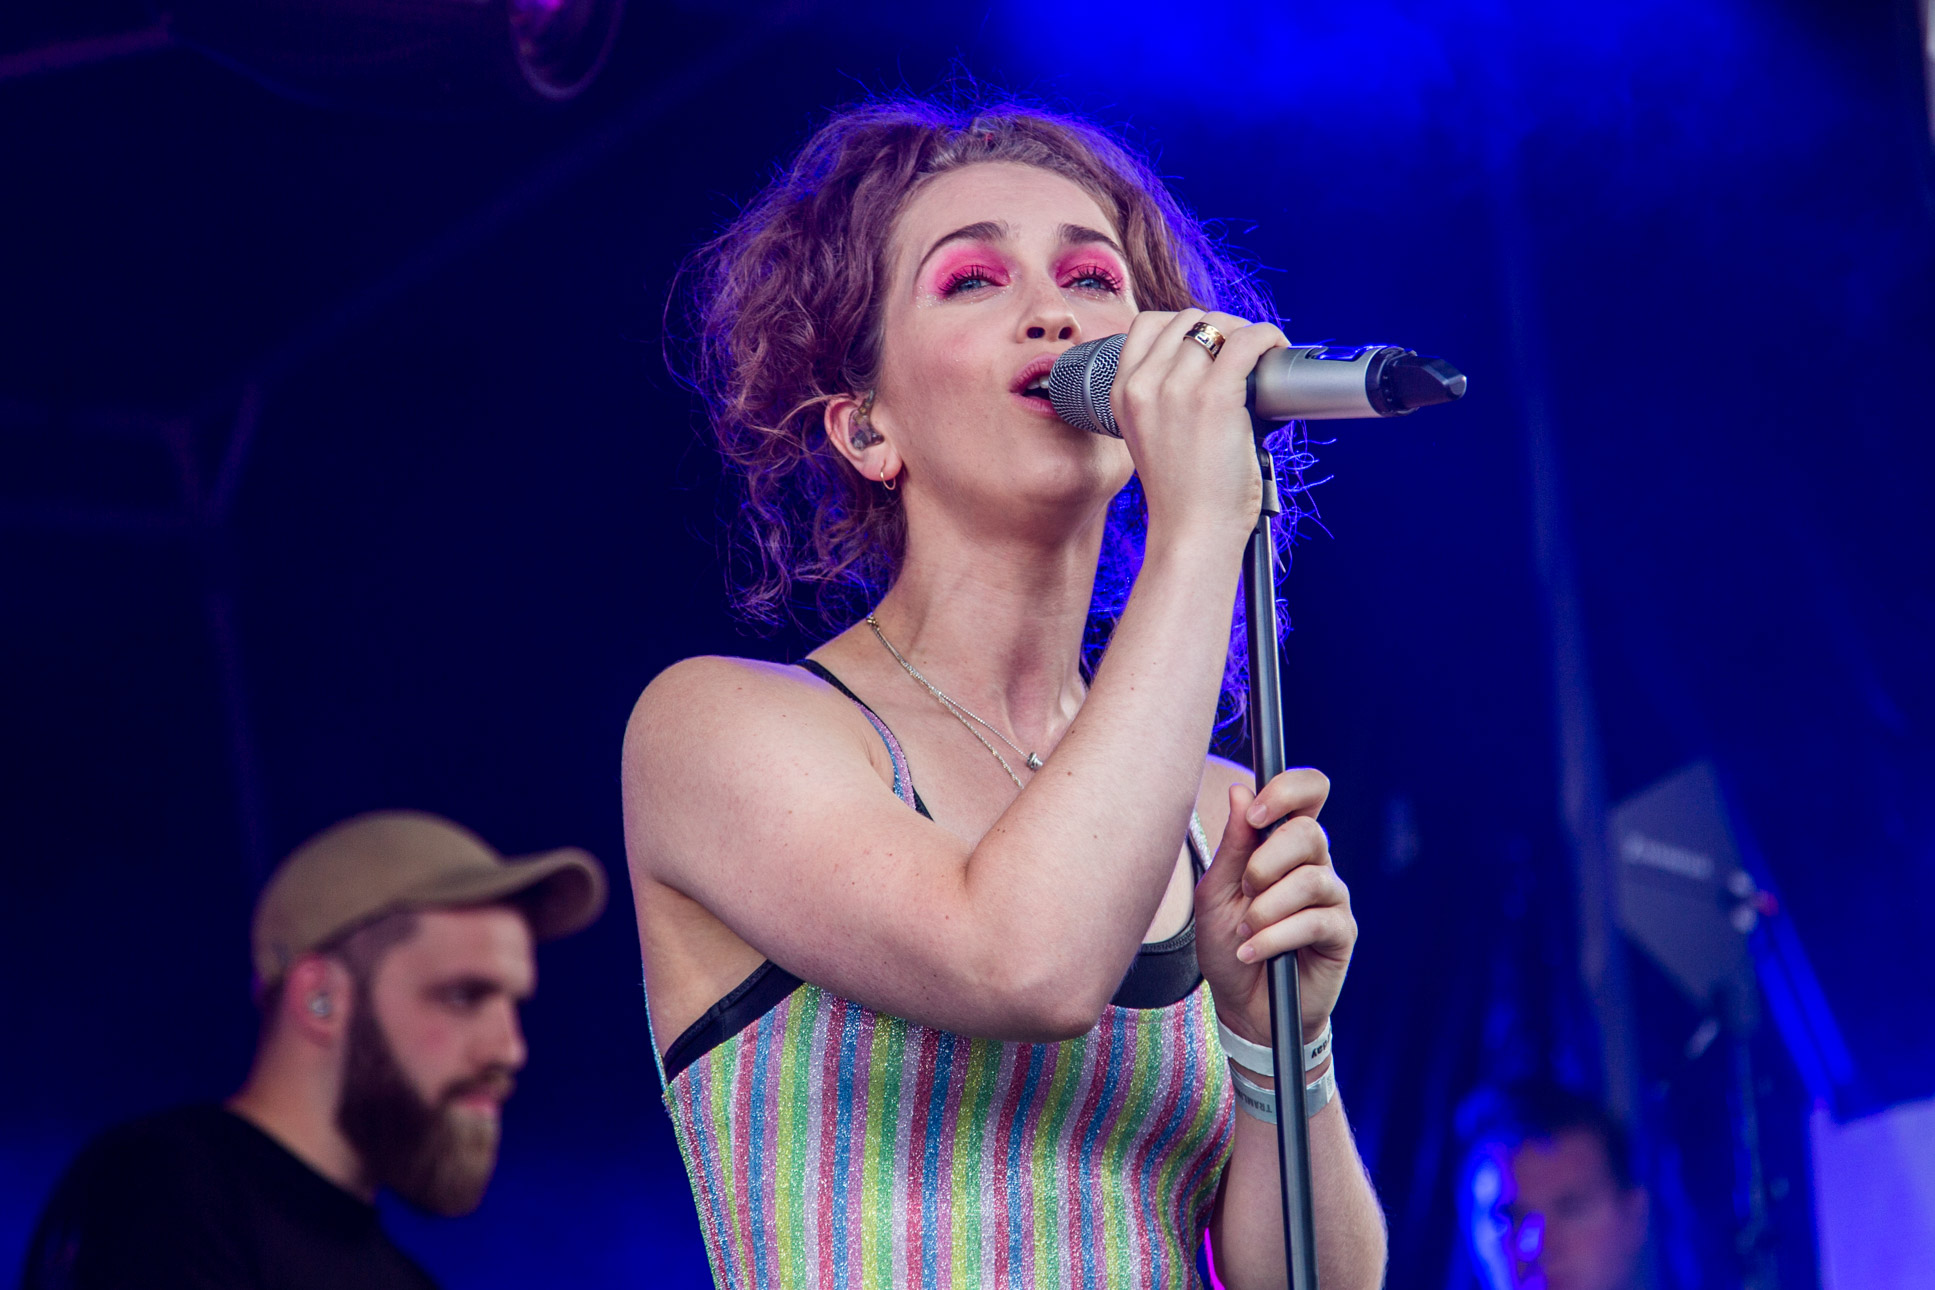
(1369,381)
(1267,757)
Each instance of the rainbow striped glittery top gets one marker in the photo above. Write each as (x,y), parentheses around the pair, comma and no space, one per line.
(832,1146)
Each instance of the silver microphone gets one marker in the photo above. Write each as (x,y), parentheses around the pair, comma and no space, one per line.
(1301,383)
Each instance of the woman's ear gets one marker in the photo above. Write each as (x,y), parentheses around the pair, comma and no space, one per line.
(849,421)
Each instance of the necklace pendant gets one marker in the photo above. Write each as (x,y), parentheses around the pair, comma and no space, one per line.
(1034,761)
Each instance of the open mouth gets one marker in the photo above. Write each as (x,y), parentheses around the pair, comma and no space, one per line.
(1033,380)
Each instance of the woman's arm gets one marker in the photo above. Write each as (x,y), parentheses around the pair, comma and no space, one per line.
(752,789)
(1247,1232)
(1263,897)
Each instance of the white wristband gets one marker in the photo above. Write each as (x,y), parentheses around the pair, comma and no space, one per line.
(1259,1060)
(1318,1095)
(1251,1057)
(1261,1103)
(1317,1049)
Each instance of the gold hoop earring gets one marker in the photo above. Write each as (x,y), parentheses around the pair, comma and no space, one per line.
(887,483)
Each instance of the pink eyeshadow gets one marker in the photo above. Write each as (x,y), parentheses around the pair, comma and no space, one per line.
(1094,254)
(952,262)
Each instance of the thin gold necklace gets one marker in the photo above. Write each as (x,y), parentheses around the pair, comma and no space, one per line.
(1031,760)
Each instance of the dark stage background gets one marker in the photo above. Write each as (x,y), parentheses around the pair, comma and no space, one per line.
(339,469)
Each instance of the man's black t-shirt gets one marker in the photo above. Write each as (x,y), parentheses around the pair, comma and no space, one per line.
(200,1199)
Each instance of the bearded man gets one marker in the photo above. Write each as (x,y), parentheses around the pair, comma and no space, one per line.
(391,955)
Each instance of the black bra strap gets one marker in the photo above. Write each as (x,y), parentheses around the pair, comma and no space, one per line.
(820,670)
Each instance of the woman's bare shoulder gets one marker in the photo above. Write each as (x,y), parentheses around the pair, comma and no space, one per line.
(709,680)
(718,709)
(712,687)
(708,729)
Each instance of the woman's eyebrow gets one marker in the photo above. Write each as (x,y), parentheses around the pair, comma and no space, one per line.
(986,230)
(1077,235)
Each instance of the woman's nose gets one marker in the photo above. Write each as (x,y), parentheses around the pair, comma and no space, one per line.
(1050,321)
(1047,315)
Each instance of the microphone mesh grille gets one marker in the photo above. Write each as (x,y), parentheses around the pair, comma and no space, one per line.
(1079,385)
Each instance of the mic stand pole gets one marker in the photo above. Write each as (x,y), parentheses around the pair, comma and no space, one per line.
(1267,756)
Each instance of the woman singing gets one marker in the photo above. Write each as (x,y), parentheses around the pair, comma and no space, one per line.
(930,920)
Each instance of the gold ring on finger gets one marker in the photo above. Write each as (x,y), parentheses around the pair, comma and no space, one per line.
(1208,337)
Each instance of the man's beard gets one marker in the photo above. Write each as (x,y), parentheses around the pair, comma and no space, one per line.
(428,1152)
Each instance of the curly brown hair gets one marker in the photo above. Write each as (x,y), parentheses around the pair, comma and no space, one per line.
(786,314)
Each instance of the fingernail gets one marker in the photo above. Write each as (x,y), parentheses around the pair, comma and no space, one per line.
(1246,952)
(1256,815)
(1244,932)
(1249,892)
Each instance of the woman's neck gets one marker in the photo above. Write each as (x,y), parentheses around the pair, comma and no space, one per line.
(998,627)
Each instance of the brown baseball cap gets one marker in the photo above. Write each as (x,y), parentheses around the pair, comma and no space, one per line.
(385,862)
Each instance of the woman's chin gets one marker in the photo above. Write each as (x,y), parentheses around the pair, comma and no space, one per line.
(1051,505)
